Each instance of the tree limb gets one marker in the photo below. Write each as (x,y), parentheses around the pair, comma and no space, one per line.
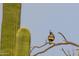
(57,44)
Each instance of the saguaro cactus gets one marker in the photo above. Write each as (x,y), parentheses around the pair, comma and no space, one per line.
(10,25)
(22,42)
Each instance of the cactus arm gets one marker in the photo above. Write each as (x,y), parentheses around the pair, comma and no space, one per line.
(23,42)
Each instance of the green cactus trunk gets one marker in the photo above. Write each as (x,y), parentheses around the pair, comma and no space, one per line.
(10,25)
(23,42)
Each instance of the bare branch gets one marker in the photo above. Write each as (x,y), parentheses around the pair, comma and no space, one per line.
(57,44)
(64,52)
(39,46)
(62,36)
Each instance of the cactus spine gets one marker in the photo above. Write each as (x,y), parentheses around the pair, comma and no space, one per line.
(23,42)
(10,25)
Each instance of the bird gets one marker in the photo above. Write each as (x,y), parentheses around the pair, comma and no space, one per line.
(51,37)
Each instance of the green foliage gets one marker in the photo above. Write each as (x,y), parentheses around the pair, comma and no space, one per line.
(10,25)
(23,42)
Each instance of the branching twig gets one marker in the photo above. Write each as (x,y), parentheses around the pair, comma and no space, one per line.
(63,36)
(64,52)
(39,46)
(57,44)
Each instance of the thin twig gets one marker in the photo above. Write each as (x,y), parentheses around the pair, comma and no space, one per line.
(77,51)
(63,36)
(39,46)
(73,53)
(69,53)
(57,44)
(64,52)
